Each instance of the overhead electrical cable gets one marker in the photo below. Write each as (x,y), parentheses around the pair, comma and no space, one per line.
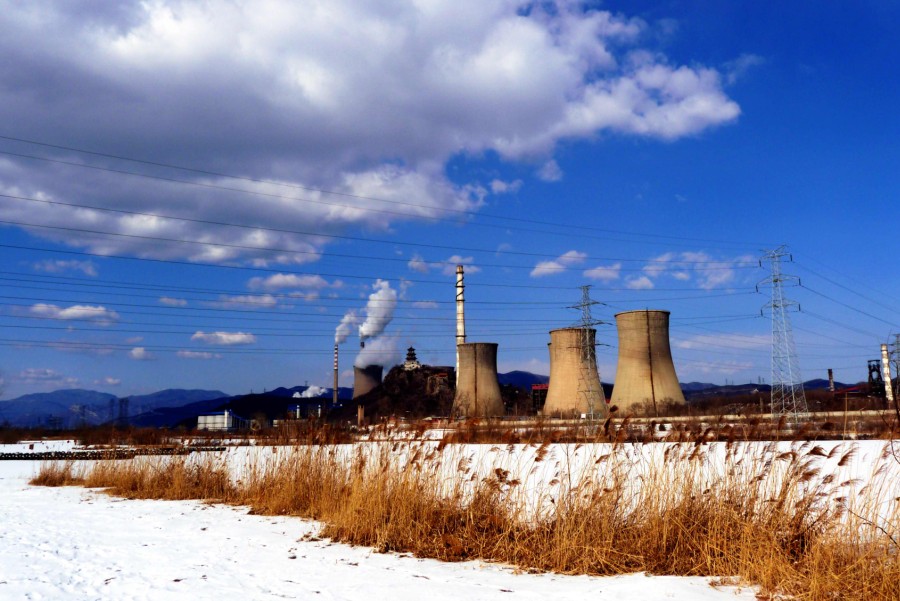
(567,226)
(679,265)
(253,268)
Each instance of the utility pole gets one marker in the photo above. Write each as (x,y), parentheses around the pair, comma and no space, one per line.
(788,397)
(588,350)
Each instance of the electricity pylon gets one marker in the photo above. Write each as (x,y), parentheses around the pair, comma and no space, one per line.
(586,383)
(788,397)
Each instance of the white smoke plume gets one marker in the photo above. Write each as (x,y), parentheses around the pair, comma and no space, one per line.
(384,350)
(313,392)
(345,328)
(379,310)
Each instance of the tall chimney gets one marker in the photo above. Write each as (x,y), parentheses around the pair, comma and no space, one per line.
(460,315)
(886,371)
(334,394)
(830,380)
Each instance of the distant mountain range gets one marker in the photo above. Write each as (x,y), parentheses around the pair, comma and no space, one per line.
(168,408)
(73,407)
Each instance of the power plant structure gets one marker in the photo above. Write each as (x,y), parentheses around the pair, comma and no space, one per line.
(460,314)
(645,376)
(366,379)
(334,393)
(477,388)
(575,388)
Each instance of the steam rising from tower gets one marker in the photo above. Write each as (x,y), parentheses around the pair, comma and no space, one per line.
(645,377)
(379,310)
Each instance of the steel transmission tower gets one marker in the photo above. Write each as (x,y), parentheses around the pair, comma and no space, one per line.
(587,385)
(788,397)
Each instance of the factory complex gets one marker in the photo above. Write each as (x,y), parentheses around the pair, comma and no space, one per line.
(646,383)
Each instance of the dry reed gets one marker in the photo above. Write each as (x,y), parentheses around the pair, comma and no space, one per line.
(774,515)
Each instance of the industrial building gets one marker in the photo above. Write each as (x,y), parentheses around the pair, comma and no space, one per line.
(477,389)
(366,379)
(575,389)
(645,376)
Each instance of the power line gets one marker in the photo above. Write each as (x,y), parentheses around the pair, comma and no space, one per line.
(334,275)
(567,226)
(683,265)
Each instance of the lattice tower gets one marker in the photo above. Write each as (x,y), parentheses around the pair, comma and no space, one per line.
(587,347)
(788,397)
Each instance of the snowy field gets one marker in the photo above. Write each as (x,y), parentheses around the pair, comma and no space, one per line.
(75,544)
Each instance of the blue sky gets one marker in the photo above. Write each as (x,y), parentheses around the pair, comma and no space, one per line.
(254,173)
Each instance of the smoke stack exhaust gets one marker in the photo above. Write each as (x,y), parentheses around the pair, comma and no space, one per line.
(460,315)
(334,394)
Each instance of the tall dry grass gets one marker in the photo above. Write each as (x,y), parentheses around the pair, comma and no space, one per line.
(775,515)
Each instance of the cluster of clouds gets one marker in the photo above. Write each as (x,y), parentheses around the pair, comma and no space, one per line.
(370,100)
(446,267)
(699,268)
(95,313)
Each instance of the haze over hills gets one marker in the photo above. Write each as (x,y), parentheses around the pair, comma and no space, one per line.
(72,407)
(167,408)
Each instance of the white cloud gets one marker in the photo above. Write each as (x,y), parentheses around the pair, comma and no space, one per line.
(417,263)
(558,265)
(224,338)
(59,266)
(550,172)
(604,273)
(263,301)
(425,305)
(446,267)
(198,355)
(172,302)
(96,313)
(139,353)
(364,99)
(639,283)
(449,265)
(736,69)
(707,271)
(729,341)
(501,187)
(290,281)
(108,381)
(45,377)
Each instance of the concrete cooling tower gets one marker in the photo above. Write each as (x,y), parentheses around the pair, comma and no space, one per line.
(645,376)
(574,382)
(366,379)
(477,389)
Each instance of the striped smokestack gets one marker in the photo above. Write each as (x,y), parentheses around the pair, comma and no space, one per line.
(334,395)
(460,315)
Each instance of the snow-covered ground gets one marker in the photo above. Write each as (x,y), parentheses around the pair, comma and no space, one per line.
(71,544)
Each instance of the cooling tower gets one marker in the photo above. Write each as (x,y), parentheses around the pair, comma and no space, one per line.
(365,379)
(477,390)
(574,382)
(645,376)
